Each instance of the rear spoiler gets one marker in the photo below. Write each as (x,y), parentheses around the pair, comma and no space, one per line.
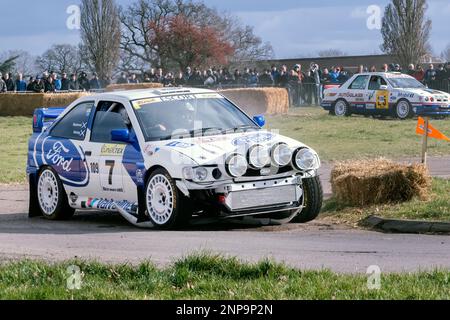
(44,117)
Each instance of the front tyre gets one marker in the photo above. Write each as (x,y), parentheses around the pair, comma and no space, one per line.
(313,193)
(403,110)
(164,202)
(52,197)
(341,109)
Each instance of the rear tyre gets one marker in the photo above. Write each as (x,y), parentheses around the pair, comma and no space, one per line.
(51,196)
(166,206)
(403,110)
(341,109)
(313,193)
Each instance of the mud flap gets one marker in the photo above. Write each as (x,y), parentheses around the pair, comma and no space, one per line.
(33,205)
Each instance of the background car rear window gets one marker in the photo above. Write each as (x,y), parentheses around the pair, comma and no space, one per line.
(359,83)
(74,124)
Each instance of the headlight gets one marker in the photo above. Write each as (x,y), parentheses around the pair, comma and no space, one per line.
(198,174)
(237,165)
(281,154)
(258,156)
(305,159)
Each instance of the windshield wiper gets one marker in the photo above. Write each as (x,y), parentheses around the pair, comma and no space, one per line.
(202,131)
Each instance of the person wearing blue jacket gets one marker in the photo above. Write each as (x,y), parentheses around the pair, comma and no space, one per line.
(334,75)
(21,85)
(56,81)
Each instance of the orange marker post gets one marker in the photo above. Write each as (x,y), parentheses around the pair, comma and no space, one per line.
(425,129)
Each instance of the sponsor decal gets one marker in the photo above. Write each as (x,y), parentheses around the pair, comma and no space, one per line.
(370,106)
(106,204)
(178,144)
(371,94)
(79,129)
(405,95)
(382,100)
(55,157)
(112,150)
(253,138)
(73,198)
(351,95)
(139,176)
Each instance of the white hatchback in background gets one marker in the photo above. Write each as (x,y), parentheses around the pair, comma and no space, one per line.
(385,94)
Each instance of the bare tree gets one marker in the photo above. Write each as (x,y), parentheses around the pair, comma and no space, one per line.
(25,62)
(60,58)
(406,31)
(331,53)
(8,64)
(100,34)
(445,55)
(139,19)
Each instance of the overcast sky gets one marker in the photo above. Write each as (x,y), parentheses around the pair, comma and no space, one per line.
(294,27)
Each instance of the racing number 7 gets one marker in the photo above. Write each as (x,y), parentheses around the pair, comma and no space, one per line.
(110,164)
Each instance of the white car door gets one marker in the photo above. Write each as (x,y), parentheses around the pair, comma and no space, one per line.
(356,93)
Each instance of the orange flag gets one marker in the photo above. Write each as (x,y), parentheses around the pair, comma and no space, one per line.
(432,132)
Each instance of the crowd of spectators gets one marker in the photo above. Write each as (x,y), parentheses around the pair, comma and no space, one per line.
(304,84)
(49,82)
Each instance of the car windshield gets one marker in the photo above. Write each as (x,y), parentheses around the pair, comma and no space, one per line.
(189,115)
(406,83)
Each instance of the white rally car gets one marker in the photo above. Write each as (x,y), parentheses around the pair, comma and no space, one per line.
(385,94)
(161,157)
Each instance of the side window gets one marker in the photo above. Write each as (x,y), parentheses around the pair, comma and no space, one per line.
(106,120)
(376,82)
(74,124)
(359,83)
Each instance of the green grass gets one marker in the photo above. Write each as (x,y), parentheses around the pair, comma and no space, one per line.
(14,135)
(207,276)
(356,136)
(436,208)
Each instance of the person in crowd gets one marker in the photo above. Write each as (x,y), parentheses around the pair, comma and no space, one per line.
(360,69)
(38,85)
(122,79)
(21,85)
(253,80)
(419,74)
(196,79)
(334,75)
(227,77)
(411,70)
(238,77)
(133,79)
(325,78)
(283,79)
(94,83)
(385,68)
(373,69)
(441,72)
(275,75)
(430,74)
(180,80)
(83,82)
(159,77)
(397,68)
(73,83)
(187,74)
(10,84)
(49,85)
(64,82)
(168,80)
(56,81)
(343,75)
(3,88)
(30,84)
(266,79)
(246,76)
(210,79)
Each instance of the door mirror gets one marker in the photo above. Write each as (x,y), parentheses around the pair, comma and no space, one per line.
(120,135)
(260,120)
(383,87)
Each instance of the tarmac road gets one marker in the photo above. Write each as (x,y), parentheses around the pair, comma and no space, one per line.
(108,238)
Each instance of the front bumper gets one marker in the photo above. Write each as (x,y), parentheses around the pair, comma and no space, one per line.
(261,195)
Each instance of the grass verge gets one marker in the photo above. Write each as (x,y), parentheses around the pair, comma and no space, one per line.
(436,208)
(336,138)
(206,276)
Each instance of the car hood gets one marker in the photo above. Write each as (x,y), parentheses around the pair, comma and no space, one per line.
(210,149)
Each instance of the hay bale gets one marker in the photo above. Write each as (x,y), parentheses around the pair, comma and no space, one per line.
(379,181)
(260,100)
(132,86)
(24,104)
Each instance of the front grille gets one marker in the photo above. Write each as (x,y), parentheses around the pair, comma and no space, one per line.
(274,196)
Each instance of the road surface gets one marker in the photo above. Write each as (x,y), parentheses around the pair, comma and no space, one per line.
(106,237)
